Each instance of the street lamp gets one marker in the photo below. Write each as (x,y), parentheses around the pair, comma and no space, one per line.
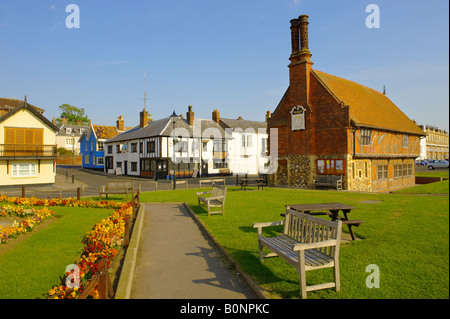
(73,157)
(174,118)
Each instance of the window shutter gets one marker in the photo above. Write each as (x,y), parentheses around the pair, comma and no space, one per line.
(9,135)
(39,136)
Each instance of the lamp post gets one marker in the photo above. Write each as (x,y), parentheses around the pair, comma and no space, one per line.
(73,157)
(174,118)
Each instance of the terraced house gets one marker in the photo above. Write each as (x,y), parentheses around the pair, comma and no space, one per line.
(328,125)
(92,143)
(27,147)
(172,145)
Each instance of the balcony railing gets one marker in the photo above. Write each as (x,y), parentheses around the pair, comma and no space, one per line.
(17,150)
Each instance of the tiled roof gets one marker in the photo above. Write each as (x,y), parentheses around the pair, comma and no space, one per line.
(243,124)
(9,104)
(164,127)
(105,132)
(367,106)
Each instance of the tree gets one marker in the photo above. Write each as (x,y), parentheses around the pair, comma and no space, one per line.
(72,114)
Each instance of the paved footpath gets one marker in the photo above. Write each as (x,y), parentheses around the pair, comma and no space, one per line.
(176,261)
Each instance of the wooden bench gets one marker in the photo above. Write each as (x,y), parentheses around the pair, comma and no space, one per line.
(211,181)
(329,181)
(260,182)
(217,198)
(307,243)
(117,187)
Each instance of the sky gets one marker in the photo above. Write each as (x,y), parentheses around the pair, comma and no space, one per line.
(230,55)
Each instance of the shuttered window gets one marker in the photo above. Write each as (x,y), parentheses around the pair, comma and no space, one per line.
(24,136)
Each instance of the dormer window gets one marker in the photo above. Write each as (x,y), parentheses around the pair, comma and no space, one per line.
(68,130)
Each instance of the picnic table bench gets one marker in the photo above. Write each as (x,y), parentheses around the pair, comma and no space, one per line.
(260,182)
(328,181)
(117,187)
(332,211)
(307,243)
(216,199)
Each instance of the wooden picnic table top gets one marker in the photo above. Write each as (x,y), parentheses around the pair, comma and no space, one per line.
(322,206)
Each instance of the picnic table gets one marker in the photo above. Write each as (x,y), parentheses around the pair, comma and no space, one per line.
(260,182)
(332,210)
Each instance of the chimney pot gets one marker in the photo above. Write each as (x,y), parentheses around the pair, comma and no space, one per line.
(294,36)
(143,119)
(303,23)
(120,123)
(190,116)
(216,116)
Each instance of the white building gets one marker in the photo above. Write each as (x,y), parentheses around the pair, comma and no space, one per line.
(248,147)
(182,146)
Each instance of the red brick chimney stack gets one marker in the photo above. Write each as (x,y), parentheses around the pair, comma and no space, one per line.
(120,123)
(294,38)
(190,116)
(143,118)
(301,65)
(216,116)
(303,28)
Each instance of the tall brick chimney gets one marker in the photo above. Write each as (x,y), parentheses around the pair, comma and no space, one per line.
(301,65)
(63,120)
(216,116)
(143,118)
(190,116)
(120,123)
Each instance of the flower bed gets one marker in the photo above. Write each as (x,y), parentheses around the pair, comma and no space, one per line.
(102,242)
(32,217)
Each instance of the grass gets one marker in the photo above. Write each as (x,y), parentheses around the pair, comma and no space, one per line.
(38,259)
(441,187)
(406,236)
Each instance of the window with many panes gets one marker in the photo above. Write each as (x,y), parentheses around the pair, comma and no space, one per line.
(366,136)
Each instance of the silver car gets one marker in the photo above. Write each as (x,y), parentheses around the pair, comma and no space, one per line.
(437,164)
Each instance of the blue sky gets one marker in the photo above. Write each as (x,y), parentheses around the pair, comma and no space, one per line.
(230,55)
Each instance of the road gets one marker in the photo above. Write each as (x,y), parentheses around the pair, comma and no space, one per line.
(89,182)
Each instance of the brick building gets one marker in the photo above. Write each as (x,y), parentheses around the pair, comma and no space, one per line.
(333,126)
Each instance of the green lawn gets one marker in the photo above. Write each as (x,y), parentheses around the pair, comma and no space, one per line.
(406,236)
(38,260)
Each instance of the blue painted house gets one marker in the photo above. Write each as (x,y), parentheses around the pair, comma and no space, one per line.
(91,143)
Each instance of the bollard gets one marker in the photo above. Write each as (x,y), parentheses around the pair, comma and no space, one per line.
(78,193)
(23,191)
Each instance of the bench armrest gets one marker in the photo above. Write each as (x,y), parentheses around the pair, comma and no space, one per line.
(261,225)
(320,244)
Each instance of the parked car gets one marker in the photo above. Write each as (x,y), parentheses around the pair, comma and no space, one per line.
(437,164)
(424,162)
